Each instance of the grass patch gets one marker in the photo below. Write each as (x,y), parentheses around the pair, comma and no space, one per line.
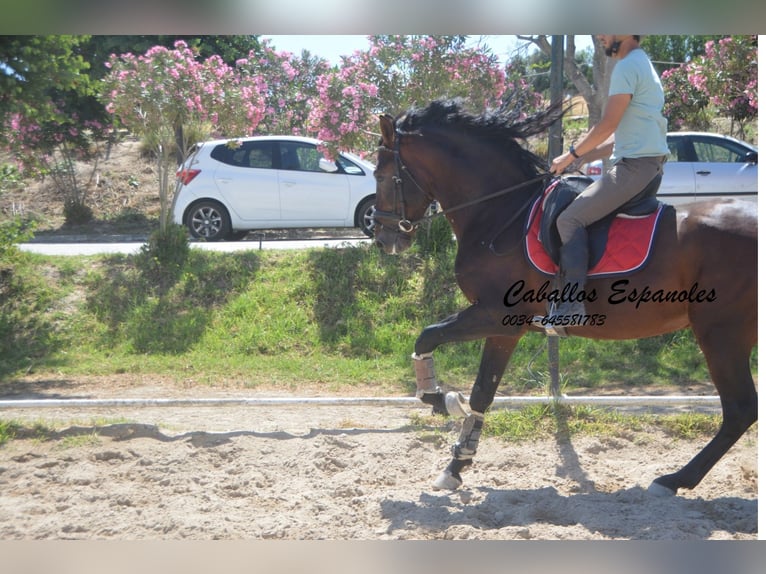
(564,421)
(42,431)
(328,317)
(8,431)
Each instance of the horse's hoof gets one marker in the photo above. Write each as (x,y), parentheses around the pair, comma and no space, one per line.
(457,405)
(447,481)
(657,489)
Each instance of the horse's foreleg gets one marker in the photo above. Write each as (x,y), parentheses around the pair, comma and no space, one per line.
(468,325)
(497,352)
(426,388)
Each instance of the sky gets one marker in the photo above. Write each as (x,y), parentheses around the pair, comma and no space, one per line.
(332,47)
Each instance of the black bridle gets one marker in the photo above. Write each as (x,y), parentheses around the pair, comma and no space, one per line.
(398,221)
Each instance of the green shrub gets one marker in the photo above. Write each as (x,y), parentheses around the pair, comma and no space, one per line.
(163,256)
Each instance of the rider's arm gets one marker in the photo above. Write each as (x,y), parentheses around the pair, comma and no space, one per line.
(598,136)
(601,151)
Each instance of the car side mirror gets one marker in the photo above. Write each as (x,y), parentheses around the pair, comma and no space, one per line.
(751,157)
(327,165)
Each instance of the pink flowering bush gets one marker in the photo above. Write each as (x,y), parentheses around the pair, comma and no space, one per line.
(163,90)
(287,83)
(724,82)
(162,93)
(519,94)
(686,98)
(395,73)
(52,148)
(731,70)
(342,112)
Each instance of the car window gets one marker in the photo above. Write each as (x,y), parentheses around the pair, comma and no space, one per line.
(256,154)
(718,151)
(349,166)
(299,156)
(674,152)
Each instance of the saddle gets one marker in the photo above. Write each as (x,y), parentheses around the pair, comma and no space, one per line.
(634,223)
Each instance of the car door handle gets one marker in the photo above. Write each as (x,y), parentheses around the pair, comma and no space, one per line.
(703,172)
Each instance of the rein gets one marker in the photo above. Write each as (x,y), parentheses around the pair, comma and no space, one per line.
(407,226)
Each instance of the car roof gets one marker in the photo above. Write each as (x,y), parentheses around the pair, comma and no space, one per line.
(301,139)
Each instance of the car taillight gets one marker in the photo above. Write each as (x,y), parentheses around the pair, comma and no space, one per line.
(593,170)
(187,175)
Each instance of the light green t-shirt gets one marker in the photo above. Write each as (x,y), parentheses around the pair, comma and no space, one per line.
(643,129)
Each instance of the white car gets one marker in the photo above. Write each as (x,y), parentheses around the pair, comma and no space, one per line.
(230,187)
(703,166)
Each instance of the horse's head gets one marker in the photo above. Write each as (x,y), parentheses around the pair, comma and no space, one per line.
(399,202)
(445,153)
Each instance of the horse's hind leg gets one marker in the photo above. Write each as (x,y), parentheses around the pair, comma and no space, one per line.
(497,351)
(728,356)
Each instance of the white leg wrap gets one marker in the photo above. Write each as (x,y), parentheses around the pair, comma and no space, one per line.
(425,376)
(468,442)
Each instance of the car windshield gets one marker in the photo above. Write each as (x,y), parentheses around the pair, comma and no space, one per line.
(357,159)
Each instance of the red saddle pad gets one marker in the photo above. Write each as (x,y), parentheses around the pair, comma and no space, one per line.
(629,243)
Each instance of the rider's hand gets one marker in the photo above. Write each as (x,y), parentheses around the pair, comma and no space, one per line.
(561,163)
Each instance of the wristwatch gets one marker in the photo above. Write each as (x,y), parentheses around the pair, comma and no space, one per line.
(572,151)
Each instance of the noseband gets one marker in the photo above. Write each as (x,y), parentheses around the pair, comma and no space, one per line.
(398,221)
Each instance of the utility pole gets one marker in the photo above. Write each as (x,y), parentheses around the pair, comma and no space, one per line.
(555,148)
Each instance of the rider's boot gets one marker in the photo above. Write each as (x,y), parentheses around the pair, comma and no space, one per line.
(573,271)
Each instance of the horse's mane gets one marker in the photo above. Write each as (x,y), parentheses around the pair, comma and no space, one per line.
(498,127)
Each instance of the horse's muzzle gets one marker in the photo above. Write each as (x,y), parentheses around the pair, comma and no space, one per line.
(391,241)
(393,233)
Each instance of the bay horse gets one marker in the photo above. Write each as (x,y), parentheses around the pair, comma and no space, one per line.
(476,168)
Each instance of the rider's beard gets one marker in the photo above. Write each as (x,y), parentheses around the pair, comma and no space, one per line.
(613,48)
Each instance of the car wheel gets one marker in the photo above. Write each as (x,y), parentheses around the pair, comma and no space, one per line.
(209,220)
(364,219)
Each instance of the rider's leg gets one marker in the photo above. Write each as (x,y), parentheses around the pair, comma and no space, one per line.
(623,181)
(626,179)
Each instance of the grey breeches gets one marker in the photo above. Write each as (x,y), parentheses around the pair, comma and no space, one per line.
(625,179)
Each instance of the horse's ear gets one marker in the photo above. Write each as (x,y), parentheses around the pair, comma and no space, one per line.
(387,129)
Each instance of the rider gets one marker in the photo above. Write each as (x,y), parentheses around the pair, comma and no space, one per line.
(634,131)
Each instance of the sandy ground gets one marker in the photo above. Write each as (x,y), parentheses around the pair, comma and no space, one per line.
(341,472)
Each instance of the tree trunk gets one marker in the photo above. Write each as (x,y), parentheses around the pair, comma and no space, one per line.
(595,95)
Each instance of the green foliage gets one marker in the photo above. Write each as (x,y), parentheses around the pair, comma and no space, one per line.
(434,237)
(34,67)
(667,52)
(565,421)
(335,316)
(28,328)
(162,258)
(10,177)
(140,305)
(13,231)
(8,430)
(76,212)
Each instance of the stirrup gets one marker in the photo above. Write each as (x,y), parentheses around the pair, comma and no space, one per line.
(543,322)
(553,326)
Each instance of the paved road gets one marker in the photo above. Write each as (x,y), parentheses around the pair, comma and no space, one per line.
(227,246)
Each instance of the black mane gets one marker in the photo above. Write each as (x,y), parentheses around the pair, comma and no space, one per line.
(498,127)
